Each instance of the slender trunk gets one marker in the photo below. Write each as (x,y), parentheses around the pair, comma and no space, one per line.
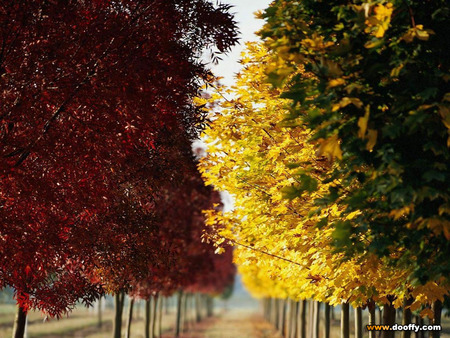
(333,316)
(316,319)
(372,319)
(276,313)
(160,315)
(294,311)
(210,306)
(437,309)
(358,322)
(147,318)
(287,323)
(20,323)
(185,312)
(282,318)
(388,319)
(407,316)
(345,320)
(421,323)
(99,313)
(198,315)
(327,320)
(309,319)
(130,317)
(301,327)
(154,311)
(119,298)
(178,322)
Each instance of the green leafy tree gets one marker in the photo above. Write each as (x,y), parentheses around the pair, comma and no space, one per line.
(377,99)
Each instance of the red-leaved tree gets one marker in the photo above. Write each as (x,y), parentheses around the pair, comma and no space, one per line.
(96,97)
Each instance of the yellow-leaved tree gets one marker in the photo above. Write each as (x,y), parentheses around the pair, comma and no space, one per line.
(259,152)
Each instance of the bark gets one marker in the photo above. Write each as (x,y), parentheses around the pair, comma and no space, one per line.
(20,323)
(179,308)
(198,315)
(301,327)
(147,318)
(372,320)
(437,309)
(316,319)
(293,318)
(99,314)
(310,325)
(358,323)
(287,322)
(407,316)
(185,312)
(210,306)
(388,319)
(154,310)
(282,318)
(160,314)
(276,313)
(119,298)
(345,320)
(327,320)
(130,318)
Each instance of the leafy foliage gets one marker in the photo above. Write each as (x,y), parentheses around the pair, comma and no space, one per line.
(290,212)
(96,114)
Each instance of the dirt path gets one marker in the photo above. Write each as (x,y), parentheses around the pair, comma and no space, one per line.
(232,324)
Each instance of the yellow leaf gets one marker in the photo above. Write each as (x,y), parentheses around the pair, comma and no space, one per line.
(415,306)
(427,312)
(372,139)
(330,147)
(336,82)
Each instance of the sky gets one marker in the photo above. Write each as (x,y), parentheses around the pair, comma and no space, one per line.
(244,14)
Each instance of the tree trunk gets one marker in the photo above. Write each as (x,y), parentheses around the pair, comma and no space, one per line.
(407,316)
(130,317)
(287,322)
(147,318)
(160,315)
(179,308)
(316,319)
(282,317)
(327,320)
(276,313)
(301,326)
(154,311)
(333,316)
(310,321)
(198,315)
(20,323)
(345,320)
(388,319)
(119,298)
(210,306)
(358,323)
(185,312)
(293,319)
(437,309)
(371,306)
(99,313)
